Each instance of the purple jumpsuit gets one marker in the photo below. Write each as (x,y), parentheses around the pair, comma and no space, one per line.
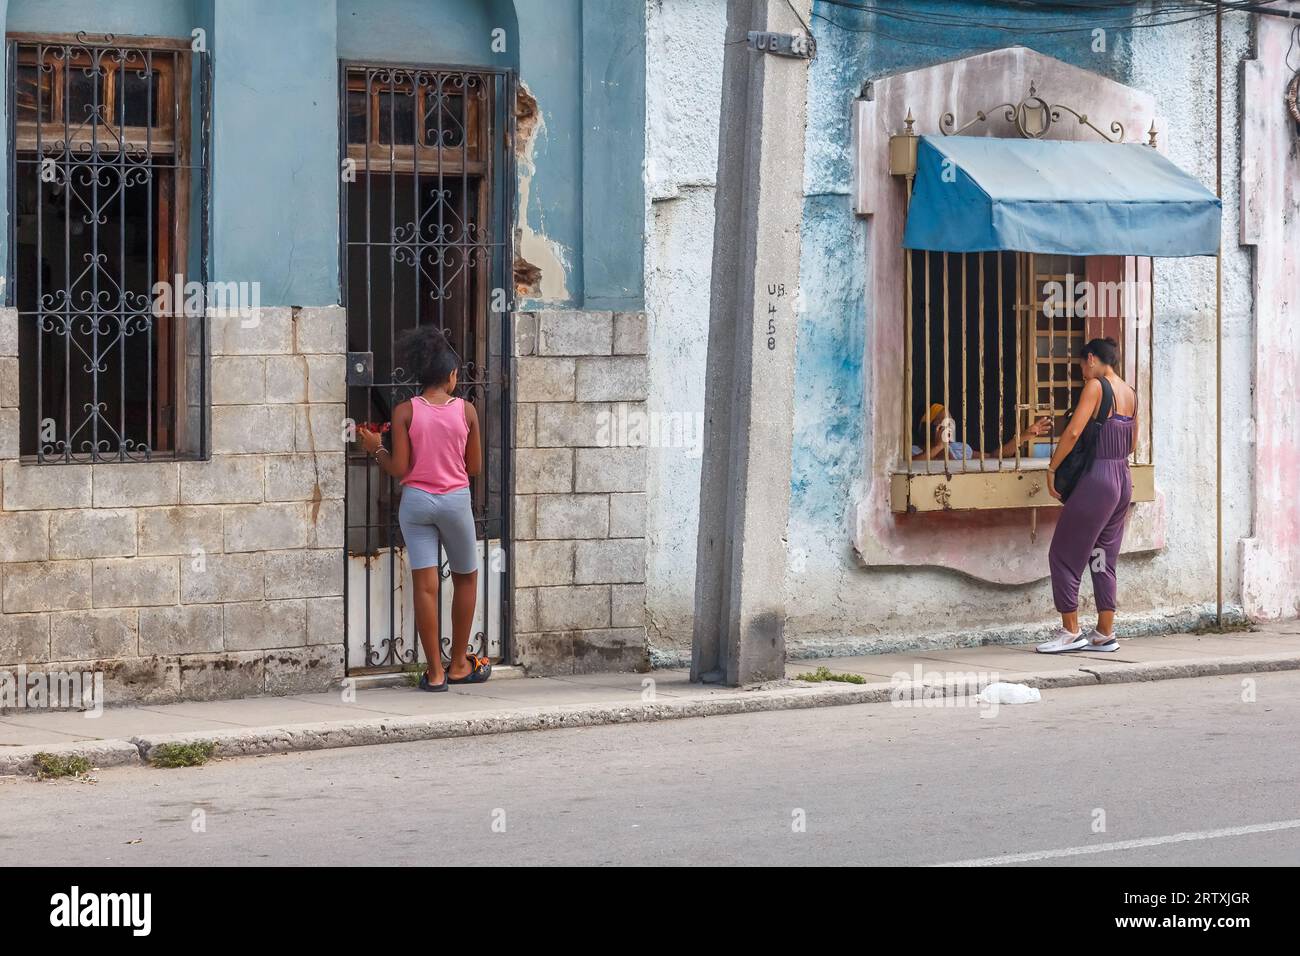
(1092,521)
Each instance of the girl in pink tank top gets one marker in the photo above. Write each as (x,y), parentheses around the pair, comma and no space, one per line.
(436,449)
(439,434)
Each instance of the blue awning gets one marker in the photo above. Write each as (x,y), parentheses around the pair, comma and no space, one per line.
(980,194)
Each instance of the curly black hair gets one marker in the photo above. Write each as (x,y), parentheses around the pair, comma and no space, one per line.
(425,353)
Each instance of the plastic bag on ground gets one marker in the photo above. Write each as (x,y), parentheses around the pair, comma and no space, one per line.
(1004,693)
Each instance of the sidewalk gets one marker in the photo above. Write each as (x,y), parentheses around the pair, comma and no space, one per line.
(260,725)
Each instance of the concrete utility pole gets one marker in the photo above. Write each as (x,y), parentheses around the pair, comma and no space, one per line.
(739,632)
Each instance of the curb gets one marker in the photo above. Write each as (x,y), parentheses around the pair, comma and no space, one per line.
(779,695)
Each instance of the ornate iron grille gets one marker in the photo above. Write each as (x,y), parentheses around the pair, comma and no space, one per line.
(427,189)
(110,155)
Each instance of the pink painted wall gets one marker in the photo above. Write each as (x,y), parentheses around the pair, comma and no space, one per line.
(1270,221)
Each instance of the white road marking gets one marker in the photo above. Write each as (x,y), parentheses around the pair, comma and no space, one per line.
(1127,844)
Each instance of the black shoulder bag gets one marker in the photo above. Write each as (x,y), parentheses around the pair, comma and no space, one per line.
(1076,464)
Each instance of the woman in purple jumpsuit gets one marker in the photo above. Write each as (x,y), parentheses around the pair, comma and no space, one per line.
(1091,525)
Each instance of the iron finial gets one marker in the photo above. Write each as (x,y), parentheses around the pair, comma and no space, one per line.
(1151,135)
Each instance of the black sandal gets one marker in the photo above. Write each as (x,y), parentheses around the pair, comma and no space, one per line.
(481,671)
(425,684)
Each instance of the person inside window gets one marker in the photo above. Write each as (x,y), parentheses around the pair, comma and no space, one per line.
(940,430)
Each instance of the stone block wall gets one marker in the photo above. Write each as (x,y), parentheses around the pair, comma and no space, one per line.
(579,506)
(191,579)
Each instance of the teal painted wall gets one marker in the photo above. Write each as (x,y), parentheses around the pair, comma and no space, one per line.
(275,164)
(157,18)
(274,195)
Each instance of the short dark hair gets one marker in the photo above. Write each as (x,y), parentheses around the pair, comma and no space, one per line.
(426,354)
(1106,350)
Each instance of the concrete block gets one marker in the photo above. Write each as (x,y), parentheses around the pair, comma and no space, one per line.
(10,437)
(321,329)
(525,333)
(217,578)
(627,602)
(567,608)
(180,530)
(627,516)
(543,470)
(325,621)
(97,533)
(573,425)
(139,680)
(286,379)
(542,563)
(525,610)
(327,523)
(94,635)
(575,333)
(523,525)
(235,479)
(47,487)
(24,638)
(631,333)
(267,331)
(581,651)
(188,629)
(525,416)
(265,624)
(136,485)
(572,516)
(304,477)
(267,527)
(252,429)
(46,586)
(238,380)
(620,378)
(9,382)
(24,536)
(303,670)
(222,676)
(318,428)
(8,331)
(327,378)
(544,379)
(609,469)
(307,573)
(609,649)
(135,582)
(618,561)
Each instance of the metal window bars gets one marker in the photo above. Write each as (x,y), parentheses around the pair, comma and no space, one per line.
(994,338)
(107,140)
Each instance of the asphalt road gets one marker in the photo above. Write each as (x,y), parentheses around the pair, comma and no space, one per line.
(1187,769)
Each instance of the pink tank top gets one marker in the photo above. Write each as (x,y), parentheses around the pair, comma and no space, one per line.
(438,437)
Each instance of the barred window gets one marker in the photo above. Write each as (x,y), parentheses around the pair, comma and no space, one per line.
(108,230)
(992,343)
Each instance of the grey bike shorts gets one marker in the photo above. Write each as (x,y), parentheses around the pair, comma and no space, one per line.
(428,520)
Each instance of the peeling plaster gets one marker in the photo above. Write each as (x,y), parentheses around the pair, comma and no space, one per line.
(538,252)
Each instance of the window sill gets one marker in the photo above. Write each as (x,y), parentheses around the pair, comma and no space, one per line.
(933,490)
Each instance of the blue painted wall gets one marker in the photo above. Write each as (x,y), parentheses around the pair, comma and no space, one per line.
(274,213)
(275,165)
(831,424)
(427,31)
(157,18)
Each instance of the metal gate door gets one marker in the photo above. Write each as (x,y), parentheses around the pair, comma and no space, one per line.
(427,184)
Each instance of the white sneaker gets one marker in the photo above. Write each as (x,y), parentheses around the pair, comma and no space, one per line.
(1062,641)
(1098,641)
